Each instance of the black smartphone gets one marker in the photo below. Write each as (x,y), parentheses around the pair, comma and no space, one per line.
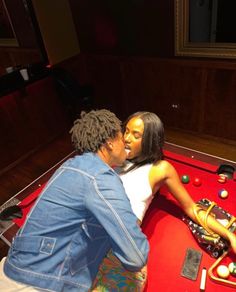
(191,264)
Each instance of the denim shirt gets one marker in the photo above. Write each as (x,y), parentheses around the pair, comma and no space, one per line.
(82,213)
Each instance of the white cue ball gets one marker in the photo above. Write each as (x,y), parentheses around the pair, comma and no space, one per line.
(222,272)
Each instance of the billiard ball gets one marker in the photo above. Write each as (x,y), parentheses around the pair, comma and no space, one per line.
(223,194)
(197,182)
(222,271)
(222,178)
(232,268)
(185,179)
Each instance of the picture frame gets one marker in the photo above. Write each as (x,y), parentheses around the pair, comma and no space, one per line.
(186,48)
(7,33)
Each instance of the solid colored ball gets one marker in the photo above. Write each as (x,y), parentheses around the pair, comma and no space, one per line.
(222,271)
(223,194)
(185,179)
(197,182)
(232,268)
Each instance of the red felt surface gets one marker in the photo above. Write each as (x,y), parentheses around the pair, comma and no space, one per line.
(169,237)
(190,161)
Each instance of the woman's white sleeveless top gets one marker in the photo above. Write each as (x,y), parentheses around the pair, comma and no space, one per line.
(138,189)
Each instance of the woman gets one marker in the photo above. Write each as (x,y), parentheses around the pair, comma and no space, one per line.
(146,171)
(144,139)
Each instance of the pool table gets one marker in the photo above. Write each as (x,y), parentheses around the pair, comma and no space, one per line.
(168,235)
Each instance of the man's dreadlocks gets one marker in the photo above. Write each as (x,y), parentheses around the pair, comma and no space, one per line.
(93,129)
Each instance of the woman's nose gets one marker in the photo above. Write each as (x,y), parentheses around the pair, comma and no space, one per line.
(127,138)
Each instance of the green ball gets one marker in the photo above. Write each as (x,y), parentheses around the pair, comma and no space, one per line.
(185,179)
(232,268)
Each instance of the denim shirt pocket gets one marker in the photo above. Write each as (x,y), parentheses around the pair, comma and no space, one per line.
(34,244)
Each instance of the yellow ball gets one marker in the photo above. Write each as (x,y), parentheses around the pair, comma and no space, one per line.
(222,272)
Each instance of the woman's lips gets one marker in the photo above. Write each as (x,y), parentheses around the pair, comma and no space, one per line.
(127,151)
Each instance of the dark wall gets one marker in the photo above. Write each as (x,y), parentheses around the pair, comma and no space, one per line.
(191,95)
(30,117)
(125,27)
(127,56)
(130,62)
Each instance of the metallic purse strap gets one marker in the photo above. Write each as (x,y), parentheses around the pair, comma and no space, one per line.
(203,222)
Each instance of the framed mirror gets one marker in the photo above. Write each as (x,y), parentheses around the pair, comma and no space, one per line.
(205,28)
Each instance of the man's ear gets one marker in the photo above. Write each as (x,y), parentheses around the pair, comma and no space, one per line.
(109,145)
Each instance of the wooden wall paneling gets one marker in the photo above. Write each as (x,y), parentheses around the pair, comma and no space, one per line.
(29,118)
(170,90)
(183,88)
(105,78)
(192,95)
(220,99)
(77,67)
(201,99)
(44,110)
(142,88)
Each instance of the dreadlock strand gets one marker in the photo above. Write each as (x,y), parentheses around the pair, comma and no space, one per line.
(93,129)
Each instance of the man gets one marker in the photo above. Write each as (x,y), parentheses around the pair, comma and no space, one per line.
(82,213)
